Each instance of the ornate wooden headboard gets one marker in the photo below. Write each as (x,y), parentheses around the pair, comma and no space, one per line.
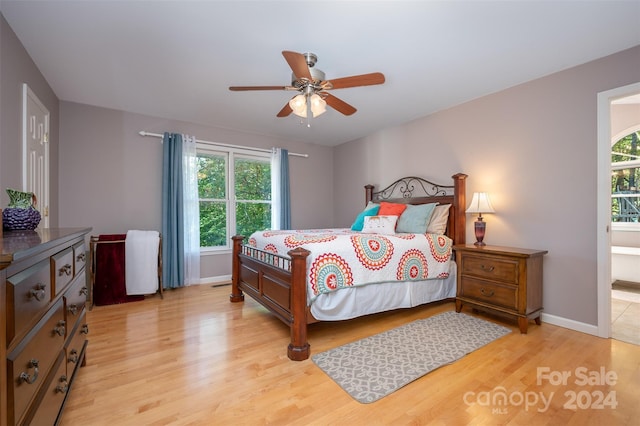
(415,190)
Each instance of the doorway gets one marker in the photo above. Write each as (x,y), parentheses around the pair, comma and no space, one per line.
(604,224)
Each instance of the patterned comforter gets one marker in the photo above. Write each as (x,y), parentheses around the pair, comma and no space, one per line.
(343,258)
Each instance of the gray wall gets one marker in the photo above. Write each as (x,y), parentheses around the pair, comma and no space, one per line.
(16,68)
(111,176)
(533,148)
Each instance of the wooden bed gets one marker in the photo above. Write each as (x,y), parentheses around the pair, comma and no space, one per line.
(279,283)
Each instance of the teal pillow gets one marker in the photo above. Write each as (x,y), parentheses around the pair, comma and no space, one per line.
(415,218)
(359,222)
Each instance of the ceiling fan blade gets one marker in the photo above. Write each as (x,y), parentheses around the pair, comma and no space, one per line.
(285,111)
(245,88)
(338,104)
(357,80)
(298,64)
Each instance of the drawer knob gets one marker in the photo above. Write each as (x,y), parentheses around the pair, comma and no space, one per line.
(60,329)
(487,268)
(24,377)
(80,257)
(73,309)
(63,387)
(487,293)
(84,329)
(65,270)
(73,356)
(38,292)
(84,291)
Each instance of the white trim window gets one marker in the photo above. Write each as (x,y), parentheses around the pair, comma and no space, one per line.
(625,180)
(234,191)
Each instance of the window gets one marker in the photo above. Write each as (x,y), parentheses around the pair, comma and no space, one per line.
(625,166)
(234,190)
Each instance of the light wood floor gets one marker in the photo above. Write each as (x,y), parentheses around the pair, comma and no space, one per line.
(625,316)
(194,358)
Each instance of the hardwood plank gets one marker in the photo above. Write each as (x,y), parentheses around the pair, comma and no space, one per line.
(195,359)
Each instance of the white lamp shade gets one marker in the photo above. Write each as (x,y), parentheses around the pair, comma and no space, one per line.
(299,105)
(480,203)
(318,105)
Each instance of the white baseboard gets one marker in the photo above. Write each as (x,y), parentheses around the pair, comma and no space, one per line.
(219,280)
(570,324)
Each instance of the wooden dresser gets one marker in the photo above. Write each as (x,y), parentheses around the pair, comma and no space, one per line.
(502,279)
(43,337)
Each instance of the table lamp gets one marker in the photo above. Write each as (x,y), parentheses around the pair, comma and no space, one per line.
(480,204)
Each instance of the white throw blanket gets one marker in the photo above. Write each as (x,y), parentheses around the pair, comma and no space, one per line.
(141,262)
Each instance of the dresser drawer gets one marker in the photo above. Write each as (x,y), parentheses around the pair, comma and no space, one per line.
(29,363)
(75,345)
(28,295)
(53,394)
(491,293)
(79,257)
(62,269)
(75,299)
(491,268)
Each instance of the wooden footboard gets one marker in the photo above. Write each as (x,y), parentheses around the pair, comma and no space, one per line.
(279,284)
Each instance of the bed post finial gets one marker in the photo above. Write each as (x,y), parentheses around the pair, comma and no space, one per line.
(368,194)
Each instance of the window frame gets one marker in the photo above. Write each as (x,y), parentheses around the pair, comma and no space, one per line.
(230,154)
(620,226)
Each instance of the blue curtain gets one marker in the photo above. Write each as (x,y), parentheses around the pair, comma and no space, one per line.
(172,212)
(280,194)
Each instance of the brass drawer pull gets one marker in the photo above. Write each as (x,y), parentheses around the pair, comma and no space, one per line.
(65,270)
(80,257)
(24,377)
(73,309)
(84,329)
(487,293)
(84,291)
(60,329)
(73,356)
(64,386)
(38,292)
(487,268)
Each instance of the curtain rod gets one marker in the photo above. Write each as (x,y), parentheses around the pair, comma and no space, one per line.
(158,135)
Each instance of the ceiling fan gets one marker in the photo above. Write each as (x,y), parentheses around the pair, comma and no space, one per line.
(313,88)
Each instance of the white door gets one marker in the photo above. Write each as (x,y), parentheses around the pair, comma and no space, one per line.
(35,151)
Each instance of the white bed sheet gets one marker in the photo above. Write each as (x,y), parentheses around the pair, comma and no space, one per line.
(368,299)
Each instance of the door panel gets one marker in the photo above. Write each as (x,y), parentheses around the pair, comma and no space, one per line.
(36,152)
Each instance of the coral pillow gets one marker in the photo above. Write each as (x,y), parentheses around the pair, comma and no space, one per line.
(391,209)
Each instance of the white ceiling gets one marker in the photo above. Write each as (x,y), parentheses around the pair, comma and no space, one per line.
(176,59)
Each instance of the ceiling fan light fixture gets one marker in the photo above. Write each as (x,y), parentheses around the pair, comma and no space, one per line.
(299,105)
(318,105)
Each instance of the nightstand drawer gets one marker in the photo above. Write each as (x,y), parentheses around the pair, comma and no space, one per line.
(491,268)
(494,294)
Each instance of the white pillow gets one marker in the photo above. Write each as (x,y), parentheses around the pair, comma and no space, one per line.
(380,224)
(438,220)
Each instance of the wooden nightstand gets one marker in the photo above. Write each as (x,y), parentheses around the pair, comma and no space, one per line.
(503,279)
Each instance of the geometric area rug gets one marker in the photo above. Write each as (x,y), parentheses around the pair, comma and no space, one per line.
(373,367)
